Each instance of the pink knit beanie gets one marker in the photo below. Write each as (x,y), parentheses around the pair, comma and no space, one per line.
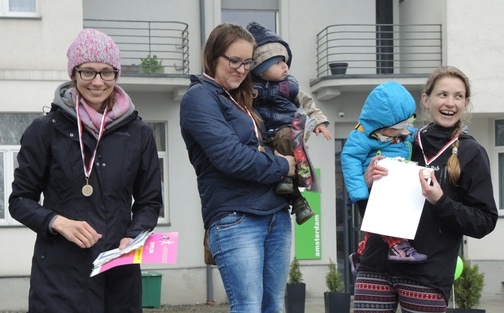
(93,46)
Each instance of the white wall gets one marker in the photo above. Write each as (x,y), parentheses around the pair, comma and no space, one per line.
(475,46)
(40,43)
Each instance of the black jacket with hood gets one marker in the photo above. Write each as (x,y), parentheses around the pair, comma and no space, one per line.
(126,200)
(467,209)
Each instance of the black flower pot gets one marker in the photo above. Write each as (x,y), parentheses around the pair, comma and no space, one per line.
(295,297)
(337,302)
(338,68)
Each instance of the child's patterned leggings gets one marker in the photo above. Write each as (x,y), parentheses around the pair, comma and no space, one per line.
(379,293)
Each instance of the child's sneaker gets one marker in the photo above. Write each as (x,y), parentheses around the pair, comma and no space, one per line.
(285,187)
(404,252)
(302,209)
(354,259)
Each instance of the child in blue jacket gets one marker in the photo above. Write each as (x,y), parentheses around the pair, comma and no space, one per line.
(384,127)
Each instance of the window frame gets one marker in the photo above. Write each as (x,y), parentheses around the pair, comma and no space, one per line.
(5,12)
(9,163)
(497,151)
(251,7)
(163,160)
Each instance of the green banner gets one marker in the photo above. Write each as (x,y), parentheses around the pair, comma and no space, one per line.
(308,236)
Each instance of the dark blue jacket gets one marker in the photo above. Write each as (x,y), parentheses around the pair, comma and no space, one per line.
(233,176)
(275,102)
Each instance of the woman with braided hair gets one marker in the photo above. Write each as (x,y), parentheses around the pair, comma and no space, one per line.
(459,202)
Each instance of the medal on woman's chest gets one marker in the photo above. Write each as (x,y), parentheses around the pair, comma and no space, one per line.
(87,190)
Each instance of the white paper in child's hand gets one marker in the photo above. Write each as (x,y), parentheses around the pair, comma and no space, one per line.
(396,202)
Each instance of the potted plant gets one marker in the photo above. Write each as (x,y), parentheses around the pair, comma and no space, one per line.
(295,291)
(338,68)
(467,290)
(151,64)
(336,300)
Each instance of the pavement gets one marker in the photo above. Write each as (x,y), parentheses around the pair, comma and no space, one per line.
(491,303)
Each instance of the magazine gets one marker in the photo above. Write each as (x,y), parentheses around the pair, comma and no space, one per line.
(147,247)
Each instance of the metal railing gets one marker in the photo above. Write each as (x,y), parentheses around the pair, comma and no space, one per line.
(379,49)
(149,47)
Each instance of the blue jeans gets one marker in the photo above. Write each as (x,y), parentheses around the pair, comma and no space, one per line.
(253,255)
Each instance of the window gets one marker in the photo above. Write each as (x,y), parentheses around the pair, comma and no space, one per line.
(499,155)
(12,126)
(159,130)
(19,8)
(243,12)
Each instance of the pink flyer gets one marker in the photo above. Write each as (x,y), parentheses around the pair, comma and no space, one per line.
(158,248)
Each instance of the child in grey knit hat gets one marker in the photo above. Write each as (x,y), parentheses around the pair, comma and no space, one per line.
(278,98)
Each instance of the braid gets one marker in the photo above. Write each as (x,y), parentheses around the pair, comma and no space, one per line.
(453,163)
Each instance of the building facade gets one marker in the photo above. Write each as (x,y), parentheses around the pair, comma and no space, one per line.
(401,40)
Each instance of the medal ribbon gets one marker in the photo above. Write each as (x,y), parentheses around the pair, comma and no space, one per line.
(88,168)
(443,149)
(243,108)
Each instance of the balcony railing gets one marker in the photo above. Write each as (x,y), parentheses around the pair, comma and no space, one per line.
(370,49)
(142,40)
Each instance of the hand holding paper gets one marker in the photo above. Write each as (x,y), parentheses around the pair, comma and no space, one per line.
(396,202)
(147,247)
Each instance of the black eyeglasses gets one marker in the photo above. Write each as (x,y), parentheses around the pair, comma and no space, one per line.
(107,75)
(236,63)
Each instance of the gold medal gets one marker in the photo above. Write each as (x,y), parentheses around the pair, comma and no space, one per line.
(261,148)
(426,174)
(87,190)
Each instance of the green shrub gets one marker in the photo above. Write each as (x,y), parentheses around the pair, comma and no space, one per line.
(334,280)
(468,287)
(151,64)
(295,275)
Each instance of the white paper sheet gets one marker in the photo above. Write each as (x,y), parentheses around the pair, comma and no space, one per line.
(395,203)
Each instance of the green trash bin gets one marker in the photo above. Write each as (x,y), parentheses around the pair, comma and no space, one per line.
(151,289)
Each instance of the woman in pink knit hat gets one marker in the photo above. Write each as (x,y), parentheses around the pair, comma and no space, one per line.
(89,157)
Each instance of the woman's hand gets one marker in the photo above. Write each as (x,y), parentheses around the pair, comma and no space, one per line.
(78,232)
(374,171)
(430,190)
(292,163)
(125,242)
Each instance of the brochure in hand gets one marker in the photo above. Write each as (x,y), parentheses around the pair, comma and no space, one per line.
(147,247)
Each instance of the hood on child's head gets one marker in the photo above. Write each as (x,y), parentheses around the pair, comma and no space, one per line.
(388,104)
(269,44)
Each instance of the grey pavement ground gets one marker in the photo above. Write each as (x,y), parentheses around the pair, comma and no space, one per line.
(491,303)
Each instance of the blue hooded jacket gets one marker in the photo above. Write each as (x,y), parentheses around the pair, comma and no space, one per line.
(387,105)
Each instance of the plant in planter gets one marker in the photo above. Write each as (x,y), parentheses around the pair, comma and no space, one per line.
(295,291)
(467,289)
(336,300)
(151,64)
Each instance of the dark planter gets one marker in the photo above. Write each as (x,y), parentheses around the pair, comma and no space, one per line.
(295,297)
(337,302)
(465,310)
(338,68)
